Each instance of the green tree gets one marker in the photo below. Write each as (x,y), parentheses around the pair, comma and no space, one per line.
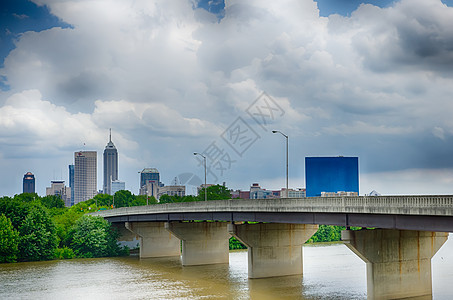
(52,201)
(14,209)
(166,199)
(94,237)
(215,192)
(123,198)
(64,222)
(26,197)
(142,200)
(38,238)
(9,240)
(103,200)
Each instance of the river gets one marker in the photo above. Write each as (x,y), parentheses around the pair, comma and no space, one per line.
(331,271)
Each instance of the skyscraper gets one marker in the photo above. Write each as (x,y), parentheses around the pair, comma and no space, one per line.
(149,179)
(71,183)
(29,183)
(110,165)
(85,172)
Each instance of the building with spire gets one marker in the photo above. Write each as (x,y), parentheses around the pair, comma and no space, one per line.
(29,183)
(85,175)
(110,165)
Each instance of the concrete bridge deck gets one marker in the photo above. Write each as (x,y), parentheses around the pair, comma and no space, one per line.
(426,213)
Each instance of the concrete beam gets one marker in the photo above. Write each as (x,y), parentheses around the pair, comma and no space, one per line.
(155,241)
(273,249)
(202,242)
(398,261)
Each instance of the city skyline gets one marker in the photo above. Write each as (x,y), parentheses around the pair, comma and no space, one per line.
(371,79)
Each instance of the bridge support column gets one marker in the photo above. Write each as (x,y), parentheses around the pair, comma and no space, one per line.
(203,243)
(273,249)
(125,234)
(155,241)
(398,261)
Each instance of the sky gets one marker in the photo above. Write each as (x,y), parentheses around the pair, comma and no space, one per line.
(370,79)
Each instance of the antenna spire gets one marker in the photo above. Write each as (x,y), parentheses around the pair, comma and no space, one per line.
(110,135)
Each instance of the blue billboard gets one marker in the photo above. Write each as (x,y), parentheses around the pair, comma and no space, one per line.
(331,174)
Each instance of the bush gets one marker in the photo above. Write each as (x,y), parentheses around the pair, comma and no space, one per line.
(94,237)
(64,253)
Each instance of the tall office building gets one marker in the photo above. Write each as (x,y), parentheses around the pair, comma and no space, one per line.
(29,183)
(85,172)
(71,183)
(110,166)
(149,177)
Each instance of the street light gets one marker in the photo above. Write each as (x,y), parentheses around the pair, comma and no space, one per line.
(276,131)
(205,191)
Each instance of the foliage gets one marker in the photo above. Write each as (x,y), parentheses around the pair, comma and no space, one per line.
(64,253)
(38,238)
(143,199)
(235,244)
(103,200)
(14,209)
(64,222)
(52,201)
(26,197)
(125,198)
(9,240)
(328,233)
(215,192)
(94,237)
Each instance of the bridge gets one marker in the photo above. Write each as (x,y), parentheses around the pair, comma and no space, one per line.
(408,231)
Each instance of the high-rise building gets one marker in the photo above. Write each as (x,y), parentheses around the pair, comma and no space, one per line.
(148,174)
(71,183)
(85,172)
(58,188)
(331,175)
(110,166)
(29,183)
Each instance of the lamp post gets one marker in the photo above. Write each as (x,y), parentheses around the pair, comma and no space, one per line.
(204,159)
(276,131)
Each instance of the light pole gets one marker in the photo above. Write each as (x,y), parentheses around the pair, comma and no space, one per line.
(276,131)
(204,159)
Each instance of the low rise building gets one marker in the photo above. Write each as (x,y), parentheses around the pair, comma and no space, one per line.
(172,190)
(58,188)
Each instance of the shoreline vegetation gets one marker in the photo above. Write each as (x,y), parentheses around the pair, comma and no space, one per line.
(34,228)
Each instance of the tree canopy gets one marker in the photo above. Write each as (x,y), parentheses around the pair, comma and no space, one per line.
(9,240)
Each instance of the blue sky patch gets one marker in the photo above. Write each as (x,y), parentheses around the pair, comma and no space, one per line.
(19,16)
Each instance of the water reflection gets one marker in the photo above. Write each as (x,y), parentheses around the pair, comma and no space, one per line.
(330,272)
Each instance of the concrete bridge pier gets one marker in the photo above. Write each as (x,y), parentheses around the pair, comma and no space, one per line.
(155,241)
(203,243)
(398,261)
(274,249)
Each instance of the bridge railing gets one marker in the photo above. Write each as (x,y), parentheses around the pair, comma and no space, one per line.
(441,205)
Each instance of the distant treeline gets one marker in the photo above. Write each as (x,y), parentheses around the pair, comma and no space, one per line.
(36,228)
